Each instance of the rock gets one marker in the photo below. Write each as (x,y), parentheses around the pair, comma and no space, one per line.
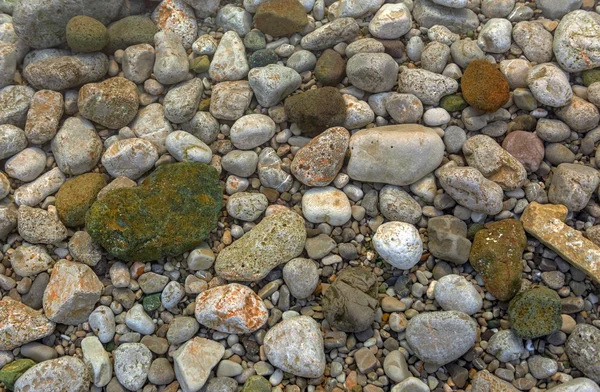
(132,362)
(418,152)
(229,100)
(495,36)
(138,62)
(395,366)
(541,367)
(576,40)
(465,51)
(112,103)
(549,85)
(546,223)
(276,239)
(427,86)
(204,8)
(30,260)
(435,57)
(27,165)
(496,255)
(20,324)
(302,61)
(97,359)
(316,110)
(129,31)
(139,321)
(102,322)
(372,72)
(280,17)
(330,34)
(458,20)
(330,68)
(580,115)
(454,292)
(246,206)
(271,173)
(44,116)
(86,35)
(573,185)
(83,249)
(495,163)
(14,104)
(72,292)
(185,147)
(177,17)
(171,63)
(358,113)
(251,131)
(484,87)
(404,108)
(181,102)
(447,239)
(77,147)
(12,371)
(296,346)
(552,130)
(273,83)
(142,232)
(129,158)
(38,226)
(441,337)
(151,124)
(76,196)
(399,244)
(35,192)
(65,72)
(301,277)
(527,147)
(353,9)
(161,372)
(535,313)
(553,9)
(240,163)
(51,31)
(319,161)
(391,21)
(326,204)
(535,41)
(234,18)
(67,374)
(397,205)
(484,381)
(505,346)
(229,61)
(194,360)
(257,384)
(349,303)
(319,246)
(411,384)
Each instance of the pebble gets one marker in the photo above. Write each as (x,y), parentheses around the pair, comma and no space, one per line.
(54,374)
(399,244)
(44,116)
(425,85)
(77,147)
(581,348)
(247,206)
(391,21)
(251,131)
(326,204)
(171,62)
(454,292)
(505,346)
(194,360)
(549,85)
(572,39)
(268,93)
(98,360)
(27,165)
(129,158)
(326,36)
(35,192)
(229,61)
(38,226)
(301,277)
(131,363)
(495,36)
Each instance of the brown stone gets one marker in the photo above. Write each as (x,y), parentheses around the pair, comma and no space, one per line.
(546,223)
(527,147)
(484,87)
(330,68)
(43,116)
(280,18)
(484,381)
(20,324)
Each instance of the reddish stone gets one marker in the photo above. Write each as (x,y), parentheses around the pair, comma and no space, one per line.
(527,147)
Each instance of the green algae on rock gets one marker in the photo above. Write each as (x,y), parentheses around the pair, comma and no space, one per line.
(76,196)
(11,372)
(86,35)
(257,384)
(131,30)
(496,254)
(171,212)
(535,313)
(280,17)
(316,110)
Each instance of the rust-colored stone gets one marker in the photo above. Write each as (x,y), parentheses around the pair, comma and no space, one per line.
(484,87)
(20,324)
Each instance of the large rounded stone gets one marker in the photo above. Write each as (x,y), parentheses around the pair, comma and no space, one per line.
(535,313)
(130,158)
(399,244)
(129,31)
(316,110)
(280,18)
(76,146)
(65,374)
(372,72)
(86,35)
(582,349)
(112,103)
(577,41)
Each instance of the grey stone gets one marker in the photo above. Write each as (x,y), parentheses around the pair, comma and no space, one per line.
(582,349)
(270,172)
(182,329)
(139,321)
(580,115)
(229,61)
(26,165)
(161,372)
(330,34)
(14,104)
(246,206)
(497,8)
(65,374)
(186,147)
(404,108)
(171,63)
(177,17)
(30,260)
(76,146)
(397,205)
(102,322)
(458,20)
(573,185)
(150,124)
(556,9)
(38,226)
(137,62)
(240,163)
(301,277)
(505,346)
(97,359)
(251,131)
(535,41)
(64,72)
(454,292)
(129,158)
(302,61)
(391,21)
(465,51)
(231,17)
(194,360)
(181,102)
(495,36)
(411,384)
(204,126)
(273,83)
(319,246)
(229,100)
(372,72)
(577,41)
(435,57)
(427,86)
(12,140)
(447,239)
(395,366)
(541,367)
(577,385)
(553,131)
(549,85)
(132,363)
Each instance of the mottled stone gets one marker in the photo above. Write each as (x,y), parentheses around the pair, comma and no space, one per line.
(535,313)
(112,103)
(194,360)
(484,381)
(19,324)
(64,374)
(280,18)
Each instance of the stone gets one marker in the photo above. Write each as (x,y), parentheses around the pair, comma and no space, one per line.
(505,346)
(439,338)
(576,40)
(240,163)
(458,20)
(273,83)
(11,372)
(372,72)
(321,159)
(353,9)
(171,64)
(257,384)
(330,68)
(546,223)
(535,313)
(326,205)
(86,35)
(97,359)
(549,85)
(319,246)
(580,115)
(251,131)
(177,17)
(142,232)
(44,116)
(280,17)
(301,277)
(14,103)
(496,255)
(262,58)
(399,244)
(349,303)
(76,196)
(151,125)
(112,103)
(404,108)
(20,324)
(67,374)
(181,102)
(65,72)
(395,366)
(454,292)
(484,87)
(447,239)
(26,165)
(330,34)
(535,41)
(425,85)
(193,362)
(129,158)
(185,147)
(397,205)
(161,372)
(396,154)
(77,147)
(38,226)
(302,61)
(246,206)
(495,36)
(465,51)
(435,57)
(182,329)
(553,9)
(526,147)
(131,364)
(72,292)
(316,110)
(229,61)
(231,17)
(365,360)
(84,249)
(139,321)
(484,381)
(35,192)
(296,346)
(276,239)
(411,384)
(129,31)
(573,185)
(271,173)
(229,100)
(580,384)
(391,21)
(358,113)
(30,260)
(541,367)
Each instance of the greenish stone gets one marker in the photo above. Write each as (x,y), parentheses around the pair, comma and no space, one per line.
(496,254)
(200,64)
(535,313)
(453,103)
(590,76)
(255,40)
(171,212)
(86,35)
(151,302)
(280,18)
(129,31)
(257,384)
(473,229)
(523,122)
(262,58)
(76,196)
(110,346)
(316,110)
(204,105)
(10,373)
(330,68)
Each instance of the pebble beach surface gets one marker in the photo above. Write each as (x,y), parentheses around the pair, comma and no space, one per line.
(299,195)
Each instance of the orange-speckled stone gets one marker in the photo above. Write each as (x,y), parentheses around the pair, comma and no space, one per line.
(20,324)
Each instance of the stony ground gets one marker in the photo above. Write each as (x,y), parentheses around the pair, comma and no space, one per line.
(299,195)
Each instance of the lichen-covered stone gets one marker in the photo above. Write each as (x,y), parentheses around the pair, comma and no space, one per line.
(20,324)
(10,373)
(76,196)
(535,313)
(86,35)
(316,110)
(171,212)
(280,18)
(64,374)
(112,103)
(496,254)
(129,31)
(257,384)
(453,103)
(330,68)
(484,87)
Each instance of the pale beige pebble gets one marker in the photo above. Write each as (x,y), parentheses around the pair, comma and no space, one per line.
(194,360)
(117,183)
(568,324)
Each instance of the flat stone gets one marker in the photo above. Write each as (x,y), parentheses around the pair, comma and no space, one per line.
(326,36)
(19,324)
(64,72)
(65,374)
(458,20)
(429,87)
(484,381)
(193,362)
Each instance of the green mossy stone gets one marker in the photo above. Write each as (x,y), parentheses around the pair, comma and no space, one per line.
(204,105)
(11,372)
(170,213)
(86,35)
(453,103)
(262,58)
(257,384)
(590,76)
(200,64)
(316,110)
(535,313)
(151,302)
(330,68)
(496,254)
(280,18)
(76,196)
(129,31)
(255,40)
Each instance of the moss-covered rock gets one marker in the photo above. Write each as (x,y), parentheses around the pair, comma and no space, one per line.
(257,384)
(590,76)
(453,103)
(496,254)
(151,302)
(316,110)
(330,68)
(484,87)
(86,35)
(76,196)
(200,64)
(171,212)
(131,30)
(262,58)
(280,18)
(11,372)
(535,313)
